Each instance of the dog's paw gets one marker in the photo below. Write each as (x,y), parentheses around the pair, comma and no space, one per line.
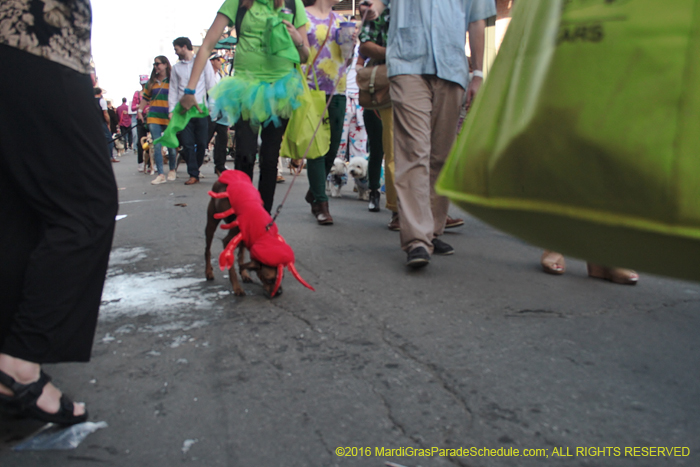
(364,196)
(209,274)
(239,292)
(245,276)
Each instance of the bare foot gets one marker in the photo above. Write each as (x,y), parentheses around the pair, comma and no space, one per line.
(25,372)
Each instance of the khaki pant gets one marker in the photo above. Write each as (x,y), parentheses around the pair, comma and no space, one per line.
(388,144)
(426,111)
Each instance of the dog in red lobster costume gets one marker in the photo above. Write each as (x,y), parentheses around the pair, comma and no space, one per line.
(234,195)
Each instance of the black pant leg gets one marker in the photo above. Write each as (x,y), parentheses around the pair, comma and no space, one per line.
(246,147)
(63,198)
(269,156)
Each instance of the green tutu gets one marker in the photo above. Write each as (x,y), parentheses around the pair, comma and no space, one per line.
(245,97)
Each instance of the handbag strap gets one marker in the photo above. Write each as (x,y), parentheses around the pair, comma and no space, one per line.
(372,78)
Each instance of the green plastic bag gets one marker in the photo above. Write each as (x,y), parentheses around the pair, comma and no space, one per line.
(584,137)
(178,122)
(301,132)
(279,41)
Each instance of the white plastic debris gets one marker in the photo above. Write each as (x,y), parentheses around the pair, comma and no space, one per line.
(57,437)
(188,444)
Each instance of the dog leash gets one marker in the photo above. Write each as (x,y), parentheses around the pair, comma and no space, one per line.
(297,170)
(121,136)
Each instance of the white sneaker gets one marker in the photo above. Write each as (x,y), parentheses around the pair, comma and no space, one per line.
(158,180)
(172,175)
(141,167)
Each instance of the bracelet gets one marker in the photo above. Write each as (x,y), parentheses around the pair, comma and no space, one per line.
(190,91)
(299,45)
(478,74)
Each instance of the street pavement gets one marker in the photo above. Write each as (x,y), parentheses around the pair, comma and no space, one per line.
(480,349)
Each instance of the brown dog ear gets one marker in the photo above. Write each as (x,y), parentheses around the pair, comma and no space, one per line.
(252,265)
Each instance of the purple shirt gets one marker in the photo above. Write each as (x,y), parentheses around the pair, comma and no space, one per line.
(330,63)
(123,114)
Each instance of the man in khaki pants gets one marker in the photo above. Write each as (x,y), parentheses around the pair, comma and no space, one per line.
(428,71)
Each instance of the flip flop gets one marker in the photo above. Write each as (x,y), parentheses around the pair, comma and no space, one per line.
(23,402)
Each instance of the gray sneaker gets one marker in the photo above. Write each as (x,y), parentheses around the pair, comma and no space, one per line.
(442,248)
(417,258)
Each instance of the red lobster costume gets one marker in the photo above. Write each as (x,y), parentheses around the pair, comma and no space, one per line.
(257,231)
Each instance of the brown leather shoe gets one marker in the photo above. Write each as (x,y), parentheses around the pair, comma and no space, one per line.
(451,223)
(323,217)
(315,209)
(192,181)
(309,198)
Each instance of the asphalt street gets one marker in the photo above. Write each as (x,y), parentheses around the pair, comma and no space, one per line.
(480,349)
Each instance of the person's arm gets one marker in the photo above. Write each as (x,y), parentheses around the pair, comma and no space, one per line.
(106,115)
(174,89)
(476,44)
(142,105)
(372,10)
(213,34)
(209,77)
(373,51)
(300,39)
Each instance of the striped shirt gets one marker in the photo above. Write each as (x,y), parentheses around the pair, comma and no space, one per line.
(157,97)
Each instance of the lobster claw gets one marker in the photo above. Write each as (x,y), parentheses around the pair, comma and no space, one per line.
(230,226)
(226,256)
(295,273)
(225,214)
(223,194)
(278,282)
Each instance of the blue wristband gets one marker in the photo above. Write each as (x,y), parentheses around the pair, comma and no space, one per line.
(189,91)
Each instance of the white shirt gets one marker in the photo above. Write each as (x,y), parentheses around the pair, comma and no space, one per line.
(180,76)
(351,88)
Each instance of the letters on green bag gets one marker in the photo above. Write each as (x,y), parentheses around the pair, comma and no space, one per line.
(583,138)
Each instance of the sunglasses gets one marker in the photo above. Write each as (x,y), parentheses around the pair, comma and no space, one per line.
(157,63)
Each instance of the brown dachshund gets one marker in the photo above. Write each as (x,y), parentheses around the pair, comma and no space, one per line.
(266,274)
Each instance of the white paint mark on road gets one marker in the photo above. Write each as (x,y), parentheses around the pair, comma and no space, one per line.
(176,297)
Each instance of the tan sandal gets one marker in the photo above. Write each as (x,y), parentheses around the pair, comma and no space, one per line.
(616,275)
(553,263)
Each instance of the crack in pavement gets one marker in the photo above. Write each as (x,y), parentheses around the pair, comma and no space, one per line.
(432,369)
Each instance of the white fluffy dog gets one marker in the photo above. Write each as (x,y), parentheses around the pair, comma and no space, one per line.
(357,168)
(336,178)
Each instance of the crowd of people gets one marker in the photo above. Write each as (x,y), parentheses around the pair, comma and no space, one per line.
(61,202)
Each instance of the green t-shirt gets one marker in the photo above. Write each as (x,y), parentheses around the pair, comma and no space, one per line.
(251,55)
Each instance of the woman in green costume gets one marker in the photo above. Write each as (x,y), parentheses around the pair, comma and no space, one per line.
(265,88)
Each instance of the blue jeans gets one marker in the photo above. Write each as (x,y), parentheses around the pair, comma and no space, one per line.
(194,142)
(156,132)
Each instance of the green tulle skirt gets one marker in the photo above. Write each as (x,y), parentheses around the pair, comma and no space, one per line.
(260,102)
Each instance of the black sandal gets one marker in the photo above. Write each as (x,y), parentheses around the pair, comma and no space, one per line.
(23,402)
